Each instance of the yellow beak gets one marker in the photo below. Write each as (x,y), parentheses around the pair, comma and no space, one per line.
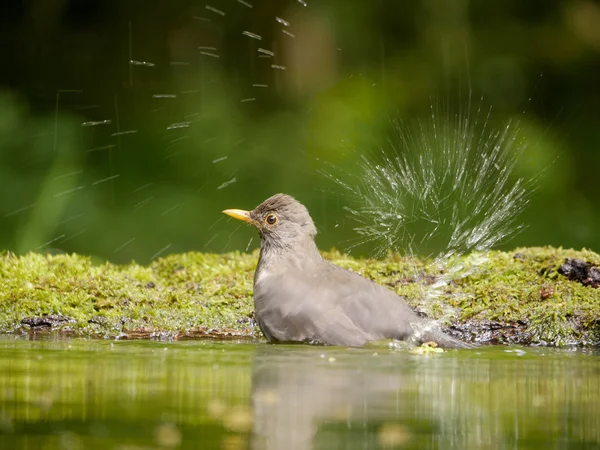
(239,214)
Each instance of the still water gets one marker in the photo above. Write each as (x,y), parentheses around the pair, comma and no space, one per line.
(133,395)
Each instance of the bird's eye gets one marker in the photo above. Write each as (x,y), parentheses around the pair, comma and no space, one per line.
(271,219)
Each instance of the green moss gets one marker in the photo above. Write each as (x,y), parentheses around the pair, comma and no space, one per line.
(196,292)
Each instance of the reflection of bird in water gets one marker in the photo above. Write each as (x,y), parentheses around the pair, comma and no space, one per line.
(295,391)
(301,297)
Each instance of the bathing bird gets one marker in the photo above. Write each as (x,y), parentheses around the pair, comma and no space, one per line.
(299,296)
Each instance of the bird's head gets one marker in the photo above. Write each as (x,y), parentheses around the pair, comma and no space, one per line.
(281,220)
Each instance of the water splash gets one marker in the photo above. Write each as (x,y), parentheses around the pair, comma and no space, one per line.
(125,244)
(133,62)
(69,191)
(258,37)
(215,10)
(227,183)
(441,189)
(161,251)
(284,22)
(104,180)
(449,182)
(212,55)
(266,52)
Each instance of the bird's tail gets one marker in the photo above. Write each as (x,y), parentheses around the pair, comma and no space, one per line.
(442,339)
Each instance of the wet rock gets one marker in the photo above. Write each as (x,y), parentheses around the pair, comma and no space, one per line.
(581,271)
(98,320)
(47,321)
(249,319)
(421,312)
(492,332)
(212,333)
(193,334)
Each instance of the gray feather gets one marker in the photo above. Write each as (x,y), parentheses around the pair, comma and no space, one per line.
(300,297)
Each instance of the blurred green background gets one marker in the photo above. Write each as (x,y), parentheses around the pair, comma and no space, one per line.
(127,126)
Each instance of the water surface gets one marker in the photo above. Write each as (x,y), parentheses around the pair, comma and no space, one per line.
(88,394)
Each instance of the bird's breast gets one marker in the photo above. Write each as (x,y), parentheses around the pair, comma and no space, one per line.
(260,276)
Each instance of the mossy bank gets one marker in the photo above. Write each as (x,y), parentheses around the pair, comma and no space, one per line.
(523,297)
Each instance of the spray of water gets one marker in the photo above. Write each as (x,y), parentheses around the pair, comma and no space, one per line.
(441,188)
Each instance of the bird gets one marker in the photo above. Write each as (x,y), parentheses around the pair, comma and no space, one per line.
(299,296)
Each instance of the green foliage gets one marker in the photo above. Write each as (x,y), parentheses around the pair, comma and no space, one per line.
(351,67)
(174,294)
(196,292)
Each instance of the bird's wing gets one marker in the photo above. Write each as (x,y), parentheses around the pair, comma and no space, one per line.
(373,307)
(292,308)
(333,306)
(384,314)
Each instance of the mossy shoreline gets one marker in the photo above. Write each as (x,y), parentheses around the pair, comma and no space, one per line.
(515,297)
